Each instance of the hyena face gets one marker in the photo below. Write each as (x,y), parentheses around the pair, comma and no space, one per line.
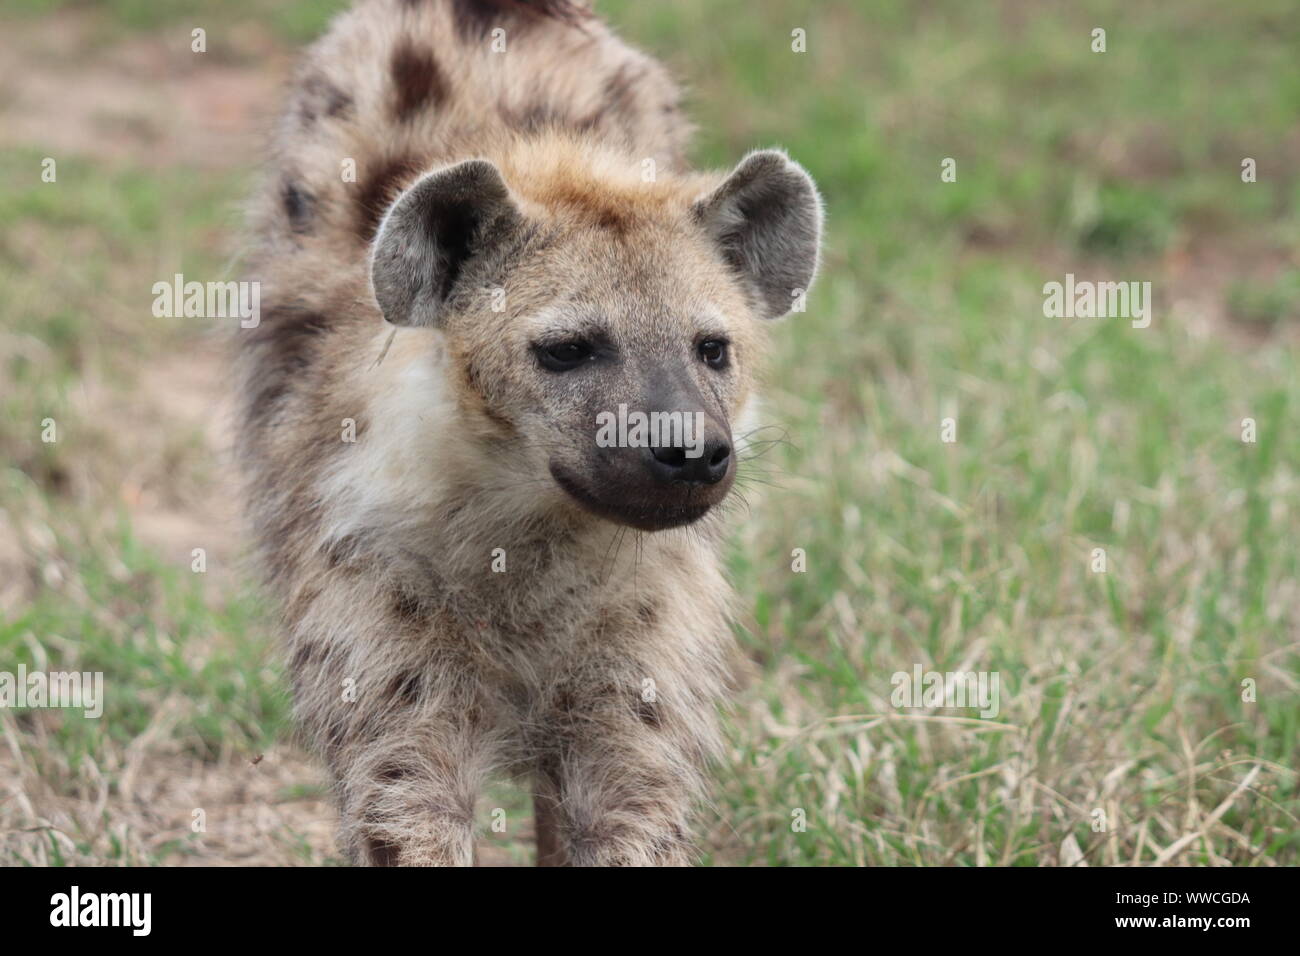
(611,334)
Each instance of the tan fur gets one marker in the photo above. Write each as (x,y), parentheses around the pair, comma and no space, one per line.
(380,551)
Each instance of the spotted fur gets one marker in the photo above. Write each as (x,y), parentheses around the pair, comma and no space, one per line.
(594,664)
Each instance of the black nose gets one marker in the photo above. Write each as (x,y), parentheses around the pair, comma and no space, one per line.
(670,462)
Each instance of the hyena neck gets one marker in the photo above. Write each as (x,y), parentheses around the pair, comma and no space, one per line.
(465,540)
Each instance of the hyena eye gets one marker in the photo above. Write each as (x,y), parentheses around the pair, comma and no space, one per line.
(564,356)
(714,353)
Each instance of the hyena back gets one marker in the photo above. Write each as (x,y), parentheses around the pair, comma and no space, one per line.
(477,232)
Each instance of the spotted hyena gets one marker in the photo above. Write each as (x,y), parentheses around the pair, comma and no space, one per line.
(477,235)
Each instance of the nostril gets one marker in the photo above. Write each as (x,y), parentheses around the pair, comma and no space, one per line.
(672,456)
(675,463)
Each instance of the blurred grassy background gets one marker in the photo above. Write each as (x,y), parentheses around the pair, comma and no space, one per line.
(1121,691)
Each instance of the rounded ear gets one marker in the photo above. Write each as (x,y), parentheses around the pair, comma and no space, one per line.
(766,220)
(431,233)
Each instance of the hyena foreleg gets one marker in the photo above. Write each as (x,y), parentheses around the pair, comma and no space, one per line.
(618,786)
(409,753)
(408,797)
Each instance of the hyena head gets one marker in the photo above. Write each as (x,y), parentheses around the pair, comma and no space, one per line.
(581,306)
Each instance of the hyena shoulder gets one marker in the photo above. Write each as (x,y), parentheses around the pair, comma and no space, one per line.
(455,78)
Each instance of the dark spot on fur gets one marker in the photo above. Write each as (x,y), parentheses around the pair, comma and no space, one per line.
(473,715)
(647,613)
(406,688)
(409,608)
(391,772)
(537,117)
(418,81)
(620,89)
(306,653)
(338,104)
(476,18)
(341,552)
(564,705)
(379,190)
(299,206)
(549,767)
(289,332)
(382,853)
(619,101)
(320,96)
(647,711)
(610,219)
(285,344)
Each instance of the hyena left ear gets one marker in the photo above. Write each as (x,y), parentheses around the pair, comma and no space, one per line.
(431,233)
(767,220)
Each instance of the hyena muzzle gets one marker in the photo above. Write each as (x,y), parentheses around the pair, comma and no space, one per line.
(491,416)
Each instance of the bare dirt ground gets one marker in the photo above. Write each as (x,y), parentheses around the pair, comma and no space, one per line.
(146,100)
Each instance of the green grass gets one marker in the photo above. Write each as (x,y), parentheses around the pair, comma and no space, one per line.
(297,21)
(1121,692)
(144,625)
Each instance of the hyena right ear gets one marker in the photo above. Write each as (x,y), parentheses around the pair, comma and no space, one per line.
(431,233)
(766,219)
